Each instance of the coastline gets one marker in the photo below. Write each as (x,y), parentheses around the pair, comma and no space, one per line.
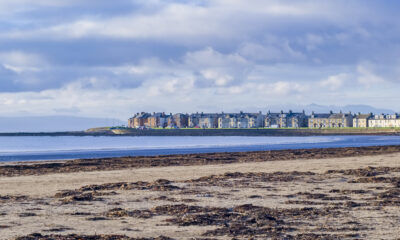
(197,159)
(214,132)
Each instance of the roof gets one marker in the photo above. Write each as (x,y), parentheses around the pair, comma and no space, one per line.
(273,114)
(205,115)
(363,116)
(240,115)
(321,115)
(287,114)
(330,115)
(180,115)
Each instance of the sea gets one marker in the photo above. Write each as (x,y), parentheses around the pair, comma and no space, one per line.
(37,148)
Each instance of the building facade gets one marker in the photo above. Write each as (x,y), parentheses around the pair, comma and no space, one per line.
(241,120)
(208,120)
(139,120)
(227,120)
(384,121)
(286,120)
(362,120)
(180,120)
(258,120)
(194,120)
(330,120)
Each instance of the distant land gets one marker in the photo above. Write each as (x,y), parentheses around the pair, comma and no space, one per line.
(54,123)
(356,108)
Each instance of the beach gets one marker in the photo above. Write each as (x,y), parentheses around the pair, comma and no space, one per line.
(341,193)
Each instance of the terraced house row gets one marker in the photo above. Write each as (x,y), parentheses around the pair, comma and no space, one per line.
(259,120)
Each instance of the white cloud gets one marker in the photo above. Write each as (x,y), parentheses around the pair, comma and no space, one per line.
(287,88)
(20,62)
(218,78)
(366,75)
(175,20)
(204,68)
(334,82)
(273,50)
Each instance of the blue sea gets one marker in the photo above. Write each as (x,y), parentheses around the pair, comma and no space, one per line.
(70,147)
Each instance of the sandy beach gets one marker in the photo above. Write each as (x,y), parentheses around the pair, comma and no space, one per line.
(351,193)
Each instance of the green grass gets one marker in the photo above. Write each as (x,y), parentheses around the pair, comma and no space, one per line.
(303,128)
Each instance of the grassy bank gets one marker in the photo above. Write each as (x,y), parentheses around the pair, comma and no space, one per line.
(258,132)
(217,132)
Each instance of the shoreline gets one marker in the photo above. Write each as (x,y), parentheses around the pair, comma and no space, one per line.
(198,159)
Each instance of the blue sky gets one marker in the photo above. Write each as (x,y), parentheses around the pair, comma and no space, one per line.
(113,58)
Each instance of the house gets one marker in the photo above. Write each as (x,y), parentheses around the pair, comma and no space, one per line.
(272,120)
(286,120)
(361,120)
(139,120)
(154,120)
(330,120)
(180,120)
(241,120)
(193,120)
(227,120)
(203,120)
(208,120)
(384,120)
(250,120)
(295,120)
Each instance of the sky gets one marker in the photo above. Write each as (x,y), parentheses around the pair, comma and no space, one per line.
(102,58)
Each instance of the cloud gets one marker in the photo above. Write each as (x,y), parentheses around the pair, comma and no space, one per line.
(184,21)
(273,50)
(19,62)
(215,69)
(20,70)
(187,21)
(287,88)
(205,55)
(334,82)
(366,76)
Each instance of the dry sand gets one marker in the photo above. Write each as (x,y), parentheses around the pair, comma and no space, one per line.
(336,204)
(48,185)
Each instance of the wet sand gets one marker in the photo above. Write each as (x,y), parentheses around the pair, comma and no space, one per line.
(304,194)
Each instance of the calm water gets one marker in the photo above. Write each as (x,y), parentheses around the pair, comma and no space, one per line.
(57,148)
